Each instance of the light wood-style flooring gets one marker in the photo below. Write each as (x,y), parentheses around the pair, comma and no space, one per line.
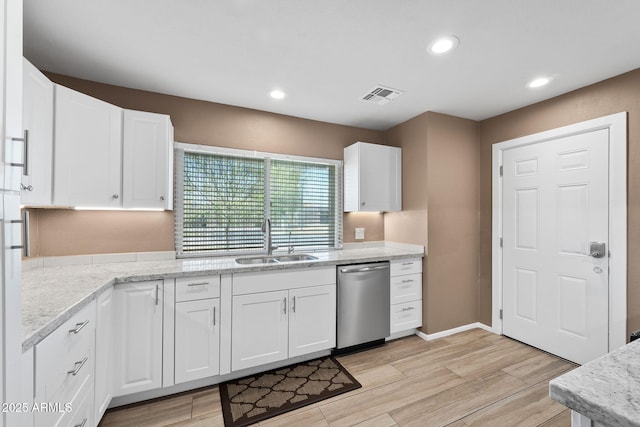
(473,378)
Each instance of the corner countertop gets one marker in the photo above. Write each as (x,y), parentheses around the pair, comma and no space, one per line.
(52,294)
(606,390)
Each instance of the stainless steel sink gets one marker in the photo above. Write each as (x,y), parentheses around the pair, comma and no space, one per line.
(295,257)
(266,259)
(256,260)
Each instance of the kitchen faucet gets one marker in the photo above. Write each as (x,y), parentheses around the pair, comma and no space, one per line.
(266,228)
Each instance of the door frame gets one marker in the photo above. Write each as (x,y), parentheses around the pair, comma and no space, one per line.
(617,126)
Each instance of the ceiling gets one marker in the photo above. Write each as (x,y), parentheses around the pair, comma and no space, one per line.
(326,55)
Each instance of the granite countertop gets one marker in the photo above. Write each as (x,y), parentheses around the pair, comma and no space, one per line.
(51,295)
(606,390)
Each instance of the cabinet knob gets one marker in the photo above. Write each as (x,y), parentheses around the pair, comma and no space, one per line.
(362,204)
(161,197)
(115,196)
(26,187)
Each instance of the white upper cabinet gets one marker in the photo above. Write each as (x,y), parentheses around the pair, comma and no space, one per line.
(147,170)
(87,151)
(37,119)
(372,178)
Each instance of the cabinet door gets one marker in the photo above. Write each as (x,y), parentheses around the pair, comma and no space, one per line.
(380,178)
(104,349)
(197,339)
(138,342)
(312,319)
(147,171)
(88,145)
(37,119)
(372,178)
(259,329)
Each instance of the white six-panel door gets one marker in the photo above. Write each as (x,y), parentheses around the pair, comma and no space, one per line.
(555,201)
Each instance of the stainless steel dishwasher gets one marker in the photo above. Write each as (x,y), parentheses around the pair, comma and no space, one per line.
(363,306)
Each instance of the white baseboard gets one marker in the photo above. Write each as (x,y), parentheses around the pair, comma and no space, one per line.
(442,334)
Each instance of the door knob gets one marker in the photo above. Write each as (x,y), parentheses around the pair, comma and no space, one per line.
(597,250)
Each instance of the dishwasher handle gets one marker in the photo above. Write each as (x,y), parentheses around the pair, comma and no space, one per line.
(364,269)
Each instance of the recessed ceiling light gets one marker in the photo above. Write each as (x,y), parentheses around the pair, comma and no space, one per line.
(443,45)
(277,94)
(539,82)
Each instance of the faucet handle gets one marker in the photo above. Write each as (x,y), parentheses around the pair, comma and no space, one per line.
(290,249)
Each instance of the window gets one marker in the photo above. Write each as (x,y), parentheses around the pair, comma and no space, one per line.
(223,197)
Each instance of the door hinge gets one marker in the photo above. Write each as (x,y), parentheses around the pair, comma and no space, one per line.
(500,313)
(501,242)
(501,171)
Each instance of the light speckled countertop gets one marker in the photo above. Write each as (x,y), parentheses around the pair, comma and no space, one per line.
(606,390)
(51,295)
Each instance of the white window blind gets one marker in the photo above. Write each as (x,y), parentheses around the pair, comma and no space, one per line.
(223,197)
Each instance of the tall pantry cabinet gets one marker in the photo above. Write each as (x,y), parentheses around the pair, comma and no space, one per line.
(12,147)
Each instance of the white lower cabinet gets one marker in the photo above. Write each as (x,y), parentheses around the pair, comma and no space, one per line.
(137,346)
(312,325)
(104,354)
(296,316)
(64,371)
(197,339)
(260,329)
(406,295)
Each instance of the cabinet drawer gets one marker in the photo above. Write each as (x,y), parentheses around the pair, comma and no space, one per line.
(82,408)
(270,281)
(406,316)
(404,266)
(406,288)
(67,412)
(64,359)
(195,288)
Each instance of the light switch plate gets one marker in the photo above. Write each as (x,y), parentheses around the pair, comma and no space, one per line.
(360,233)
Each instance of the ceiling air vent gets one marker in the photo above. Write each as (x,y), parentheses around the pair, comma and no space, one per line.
(381,95)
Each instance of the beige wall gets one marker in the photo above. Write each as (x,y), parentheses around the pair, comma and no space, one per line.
(453,228)
(410,225)
(618,94)
(440,168)
(65,232)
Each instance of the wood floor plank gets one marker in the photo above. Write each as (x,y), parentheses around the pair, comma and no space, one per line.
(160,412)
(383,420)
(390,352)
(529,407)
(361,407)
(563,419)
(206,403)
(309,416)
(454,403)
(480,363)
(540,367)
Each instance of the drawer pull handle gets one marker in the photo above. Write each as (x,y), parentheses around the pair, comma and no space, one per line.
(407,263)
(78,366)
(408,308)
(82,423)
(198,284)
(408,281)
(79,327)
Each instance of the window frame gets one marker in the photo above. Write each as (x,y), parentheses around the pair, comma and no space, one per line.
(181,147)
